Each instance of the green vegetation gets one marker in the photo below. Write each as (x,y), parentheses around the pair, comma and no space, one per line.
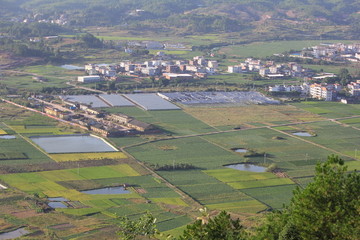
(221,226)
(173,122)
(326,208)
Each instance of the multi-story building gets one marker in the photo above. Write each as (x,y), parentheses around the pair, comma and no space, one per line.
(325,92)
(354,88)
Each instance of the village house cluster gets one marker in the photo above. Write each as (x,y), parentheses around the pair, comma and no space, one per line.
(270,69)
(107,125)
(321,91)
(333,52)
(198,67)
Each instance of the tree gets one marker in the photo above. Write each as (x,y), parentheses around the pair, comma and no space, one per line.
(344,76)
(143,227)
(328,208)
(219,227)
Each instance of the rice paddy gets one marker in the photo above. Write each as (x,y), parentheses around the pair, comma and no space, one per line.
(209,183)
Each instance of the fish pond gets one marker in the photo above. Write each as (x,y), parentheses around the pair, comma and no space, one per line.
(7,137)
(14,234)
(247,167)
(72,144)
(302,134)
(71,67)
(108,190)
(240,150)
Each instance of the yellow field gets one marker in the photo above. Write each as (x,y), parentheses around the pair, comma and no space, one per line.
(2,132)
(64,157)
(39,130)
(250,114)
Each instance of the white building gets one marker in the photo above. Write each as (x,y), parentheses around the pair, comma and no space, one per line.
(89,79)
(354,88)
(325,92)
(234,69)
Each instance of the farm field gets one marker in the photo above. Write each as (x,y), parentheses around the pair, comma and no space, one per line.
(205,155)
(209,183)
(264,49)
(249,116)
(39,130)
(68,184)
(288,153)
(340,138)
(212,193)
(87,156)
(55,77)
(196,151)
(174,122)
(330,109)
(20,151)
(245,79)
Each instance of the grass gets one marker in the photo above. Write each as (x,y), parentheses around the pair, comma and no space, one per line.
(2,132)
(87,156)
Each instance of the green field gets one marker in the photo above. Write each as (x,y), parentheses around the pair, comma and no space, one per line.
(242,179)
(211,192)
(287,154)
(330,109)
(174,122)
(195,151)
(264,49)
(68,183)
(343,139)
(275,197)
(20,151)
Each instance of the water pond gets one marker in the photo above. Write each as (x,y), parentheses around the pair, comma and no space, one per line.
(240,150)
(108,190)
(57,205)
(58,199)
(247,167)
(72,144)
(302,134)
(7,137)
(14,234)
(71,67)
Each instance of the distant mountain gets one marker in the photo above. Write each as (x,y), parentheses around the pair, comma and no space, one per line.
(320,17)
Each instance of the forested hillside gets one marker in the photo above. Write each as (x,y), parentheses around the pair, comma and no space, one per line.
(330,18)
